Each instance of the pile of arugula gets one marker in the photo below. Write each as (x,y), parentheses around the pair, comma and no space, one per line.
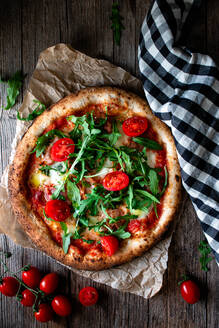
(93,146)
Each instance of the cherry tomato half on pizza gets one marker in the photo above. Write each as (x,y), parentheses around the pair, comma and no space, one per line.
(57,209)
(135,126)
(115,181)
(61,149)
(109,244)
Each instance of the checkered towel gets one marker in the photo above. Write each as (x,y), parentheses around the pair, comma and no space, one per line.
(182,90)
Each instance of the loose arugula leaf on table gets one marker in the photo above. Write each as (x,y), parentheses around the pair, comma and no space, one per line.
(45,139)
(117,25)
(36,112)
(14,85)
(148,143)
(204,250)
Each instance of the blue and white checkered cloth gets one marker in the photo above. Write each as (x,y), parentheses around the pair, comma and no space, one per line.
(182,90)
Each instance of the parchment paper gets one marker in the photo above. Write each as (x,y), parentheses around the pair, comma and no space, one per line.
(60,71)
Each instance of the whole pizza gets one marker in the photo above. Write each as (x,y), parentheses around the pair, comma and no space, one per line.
(95,181)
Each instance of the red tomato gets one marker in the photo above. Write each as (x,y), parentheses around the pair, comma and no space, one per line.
(61,149)
(61,305)
(9,286)
(110,244)
(190,291)
(31,277)
(135,126)
(134,226)
(44,313)
(49,283)
(88,296)
(115,181)
(28,298)
(57,209)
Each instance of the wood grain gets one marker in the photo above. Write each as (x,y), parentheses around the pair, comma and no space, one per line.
(28,27)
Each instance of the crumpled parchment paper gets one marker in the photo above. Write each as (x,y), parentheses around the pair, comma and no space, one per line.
(60,71)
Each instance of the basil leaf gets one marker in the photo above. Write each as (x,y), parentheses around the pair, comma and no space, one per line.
(148,195)
(14,84)
(148,143)
(37,111)
(73,193)
(153,178)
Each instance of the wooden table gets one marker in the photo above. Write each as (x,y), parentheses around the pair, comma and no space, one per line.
(28,27)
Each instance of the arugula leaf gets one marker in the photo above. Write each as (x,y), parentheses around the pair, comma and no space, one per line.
(130,197)
(153,179)
(147,194)
(46,217)
(114,135)
(165,181)
(121,233)
(204,250)
(148,143)
(66,237)
(14,84)
(117,25)
(128,162)
(45,139)
(60,187)
(73,193)
(37,111)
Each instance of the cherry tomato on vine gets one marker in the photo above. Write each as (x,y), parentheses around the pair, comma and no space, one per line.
(190,291)
(115,181)
(28,298)
(110,244)
(44,313)
(57,209)
(31,277)
(88,296)
(135,126)
(49,283)
(61,149)
(9,286)
(61,305)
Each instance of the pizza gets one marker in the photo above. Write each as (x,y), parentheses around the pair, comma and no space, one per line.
(95,181)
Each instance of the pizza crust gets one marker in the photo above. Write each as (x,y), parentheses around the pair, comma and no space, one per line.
(37,230)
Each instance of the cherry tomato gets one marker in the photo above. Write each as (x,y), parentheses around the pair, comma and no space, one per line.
(88,296)
(115,181)
(61,305)
(57,209)
(28,298)
(9,286)
(49,283)
(61,149)
(110,244)
(31,277)
(135,126)
(44,313)
(134,226)
(190,291)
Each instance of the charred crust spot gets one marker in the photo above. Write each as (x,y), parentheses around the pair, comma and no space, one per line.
(177,178)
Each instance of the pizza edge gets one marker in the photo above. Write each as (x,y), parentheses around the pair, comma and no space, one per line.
(37,230)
